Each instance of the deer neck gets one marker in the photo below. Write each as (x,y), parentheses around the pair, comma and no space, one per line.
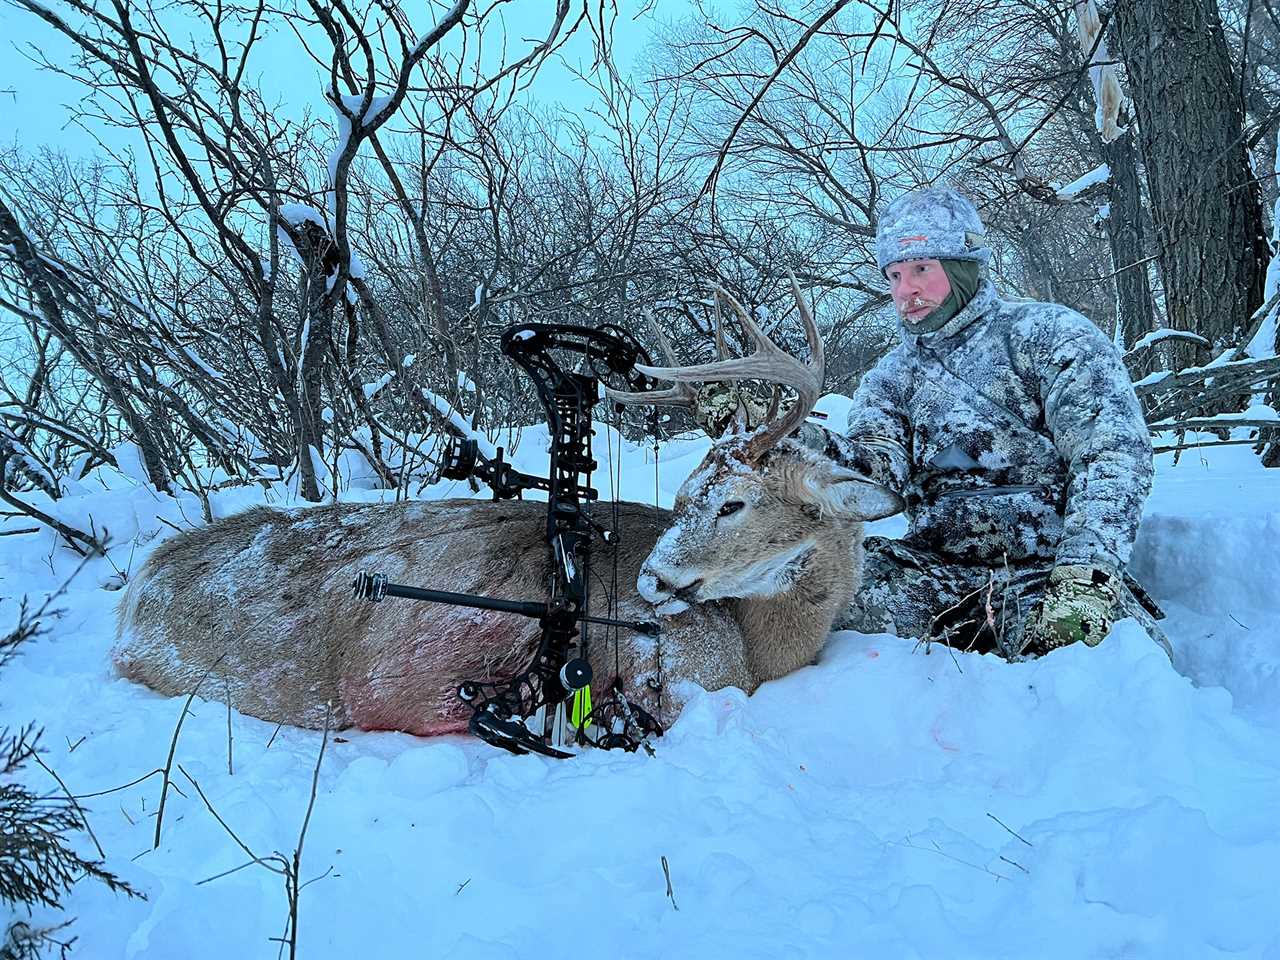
(787,630)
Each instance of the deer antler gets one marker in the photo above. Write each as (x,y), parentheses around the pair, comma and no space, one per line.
(681,395)
(767,362)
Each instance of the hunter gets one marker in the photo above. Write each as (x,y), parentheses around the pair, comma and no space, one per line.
(1012,431)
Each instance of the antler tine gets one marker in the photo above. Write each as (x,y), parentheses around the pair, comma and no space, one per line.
(767,362)
(668,352)
(722,352)
(808,388)
(681,395)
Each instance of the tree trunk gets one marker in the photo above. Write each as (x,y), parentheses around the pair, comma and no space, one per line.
(1135,306)
(316,301)
(1204,197)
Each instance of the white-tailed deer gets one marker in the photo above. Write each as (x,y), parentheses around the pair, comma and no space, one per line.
(761,552)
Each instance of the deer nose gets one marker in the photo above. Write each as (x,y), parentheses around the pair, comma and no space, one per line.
(659,585)
(652,587)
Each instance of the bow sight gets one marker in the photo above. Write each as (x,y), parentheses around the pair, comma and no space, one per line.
(561,670)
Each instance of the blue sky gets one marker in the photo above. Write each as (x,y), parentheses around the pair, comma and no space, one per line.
(37,106)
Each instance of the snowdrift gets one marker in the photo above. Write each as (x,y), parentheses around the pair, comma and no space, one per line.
(882,803)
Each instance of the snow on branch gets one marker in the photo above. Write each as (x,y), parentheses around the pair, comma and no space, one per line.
(456,422)
(1240,372)
(18,459)
(352,110)
(1099,174)
(432,36)
(1256,416)
(1265,339)
(295,215)
(1161,335)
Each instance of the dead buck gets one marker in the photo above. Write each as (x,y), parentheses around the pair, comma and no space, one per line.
(761,552)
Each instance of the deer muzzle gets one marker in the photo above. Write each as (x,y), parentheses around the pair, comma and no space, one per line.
(670,591)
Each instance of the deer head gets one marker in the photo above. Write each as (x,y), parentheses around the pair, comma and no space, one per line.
(754,517)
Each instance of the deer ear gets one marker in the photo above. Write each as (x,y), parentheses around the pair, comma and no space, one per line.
(860,497)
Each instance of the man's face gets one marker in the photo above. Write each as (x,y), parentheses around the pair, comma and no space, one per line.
(918,287)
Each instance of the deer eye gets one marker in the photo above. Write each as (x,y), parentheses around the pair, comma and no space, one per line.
(730,507)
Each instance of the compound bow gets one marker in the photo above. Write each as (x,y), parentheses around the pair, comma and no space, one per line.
(561,669)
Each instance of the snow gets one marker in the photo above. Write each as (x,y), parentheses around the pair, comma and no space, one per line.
(459,422)
(193,358)
(346,108)
(296,214)
(1255,411)
(1264,341)
(881,803)
(20,457)
(371,389)
(1099,174)
(303,337)
(425,39)
(1165,333)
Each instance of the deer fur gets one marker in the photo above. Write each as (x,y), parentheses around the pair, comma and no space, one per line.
(258,606)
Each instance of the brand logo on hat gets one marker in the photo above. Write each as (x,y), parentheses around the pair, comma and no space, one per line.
(919,238)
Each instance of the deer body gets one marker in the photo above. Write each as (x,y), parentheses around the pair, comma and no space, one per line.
(259,605)
(760,554)
(262,602)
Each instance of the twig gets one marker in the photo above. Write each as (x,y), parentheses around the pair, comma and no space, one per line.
(262,861)
(123,786)
(666,872)
(1011,830)
(79,810)
(942,853)
(169,523)
(328,871)
(714,176)
(226,873)
(173,747)
(230,768)
(291,879)
(1204,443)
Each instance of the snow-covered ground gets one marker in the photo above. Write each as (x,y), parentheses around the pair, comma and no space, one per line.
(884,803)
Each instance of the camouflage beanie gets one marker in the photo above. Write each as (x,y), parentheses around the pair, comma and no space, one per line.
(931,223)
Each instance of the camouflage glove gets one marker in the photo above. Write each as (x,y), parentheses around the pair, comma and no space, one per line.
(717,403)
(1077,605)
(813,436)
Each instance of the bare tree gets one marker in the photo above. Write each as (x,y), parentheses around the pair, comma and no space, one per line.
(1204,195)
(222,322)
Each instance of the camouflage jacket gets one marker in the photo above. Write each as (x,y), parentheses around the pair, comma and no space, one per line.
(1013,433)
